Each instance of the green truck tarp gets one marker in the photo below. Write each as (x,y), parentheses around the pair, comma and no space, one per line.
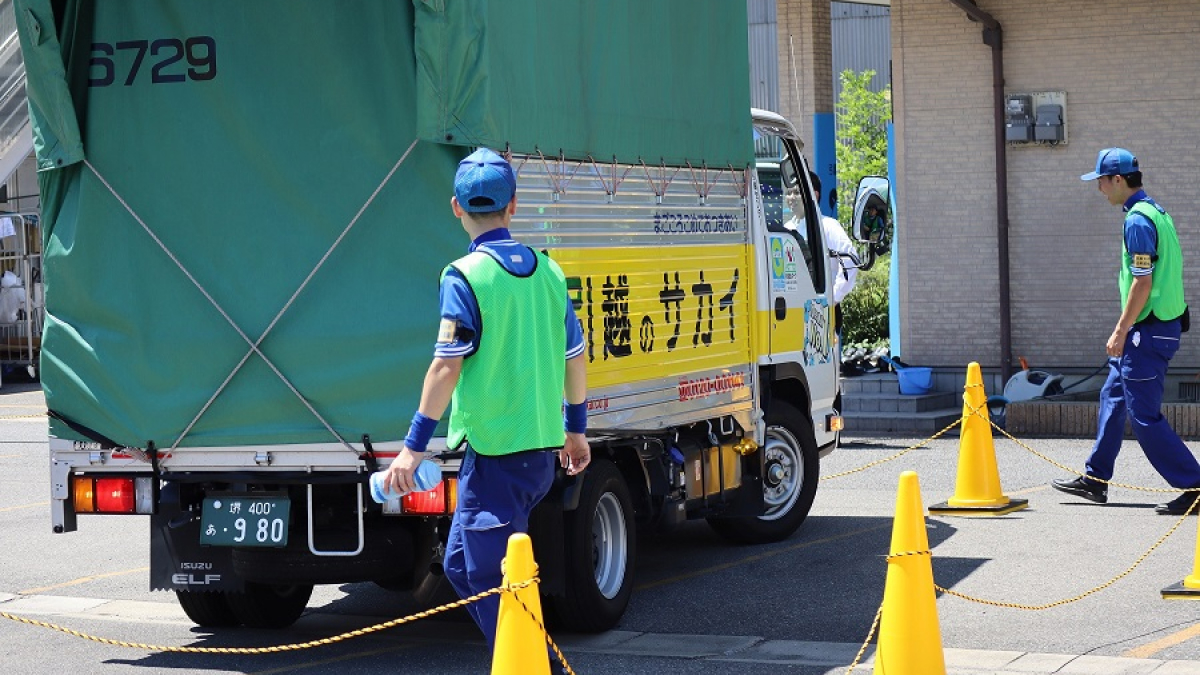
(245,137)
(639,80)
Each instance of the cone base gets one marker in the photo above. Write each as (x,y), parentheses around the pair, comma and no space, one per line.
(945,509)
(1180,592)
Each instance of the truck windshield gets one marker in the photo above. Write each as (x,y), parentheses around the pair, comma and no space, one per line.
(787,207)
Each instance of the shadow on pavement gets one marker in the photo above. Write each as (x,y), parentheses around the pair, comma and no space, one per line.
(824,584)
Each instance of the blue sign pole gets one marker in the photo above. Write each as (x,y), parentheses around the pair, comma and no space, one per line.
(894,267)
(824,163)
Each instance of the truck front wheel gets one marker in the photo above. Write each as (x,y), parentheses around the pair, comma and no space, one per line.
(790,473)
(600,550)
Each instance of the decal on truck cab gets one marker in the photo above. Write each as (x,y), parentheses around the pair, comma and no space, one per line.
(818,332)
(784,270)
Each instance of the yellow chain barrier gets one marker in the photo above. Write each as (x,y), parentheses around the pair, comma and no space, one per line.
(299,645)
(1097,589)
(870,635)
(1076,471)
(903,452)
(971,410)
(1012,605)
(979,412)
(549,640)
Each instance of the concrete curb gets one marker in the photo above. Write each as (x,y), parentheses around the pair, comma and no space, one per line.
(717,648)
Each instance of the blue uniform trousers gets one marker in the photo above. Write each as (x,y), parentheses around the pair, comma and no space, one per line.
(495,498)
(1135,384)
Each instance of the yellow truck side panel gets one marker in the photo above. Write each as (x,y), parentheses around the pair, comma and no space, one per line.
(655,313)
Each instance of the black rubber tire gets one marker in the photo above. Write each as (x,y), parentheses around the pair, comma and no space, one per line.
(790,445)
(601,547)
(269,605)
(207,609)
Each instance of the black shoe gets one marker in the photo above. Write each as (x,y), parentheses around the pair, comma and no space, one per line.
(1082,487)
(1177,506)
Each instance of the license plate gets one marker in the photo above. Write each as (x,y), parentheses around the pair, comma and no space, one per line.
(244,521)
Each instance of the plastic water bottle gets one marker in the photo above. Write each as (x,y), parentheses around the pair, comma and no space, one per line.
(427,476)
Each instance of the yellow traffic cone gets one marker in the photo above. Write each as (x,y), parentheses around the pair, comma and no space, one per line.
(1189,588)
(910,641)
(520,640)
(977,488)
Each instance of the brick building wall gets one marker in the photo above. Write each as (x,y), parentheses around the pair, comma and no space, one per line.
(1131,80)
(805,62)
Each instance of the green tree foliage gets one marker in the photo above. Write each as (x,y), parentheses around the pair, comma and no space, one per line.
(862,117)
(865,309)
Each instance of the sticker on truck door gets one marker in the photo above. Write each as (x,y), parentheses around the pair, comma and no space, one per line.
(784,278)
(818,332)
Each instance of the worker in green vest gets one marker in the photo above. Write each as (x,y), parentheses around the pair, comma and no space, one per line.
(508,348)
(1153,315)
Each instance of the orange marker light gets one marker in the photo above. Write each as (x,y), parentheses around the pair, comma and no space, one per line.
(85,495)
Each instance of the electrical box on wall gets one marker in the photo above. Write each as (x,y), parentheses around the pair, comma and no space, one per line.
(1035,118)
(1018,118)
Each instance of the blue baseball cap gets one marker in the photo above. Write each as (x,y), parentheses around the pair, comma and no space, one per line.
(1113,162)
(484,182)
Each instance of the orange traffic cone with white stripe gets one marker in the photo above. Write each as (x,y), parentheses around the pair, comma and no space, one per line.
(977,488)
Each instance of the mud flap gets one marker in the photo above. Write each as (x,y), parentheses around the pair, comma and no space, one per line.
(748,500)
(546,529)
(177,560)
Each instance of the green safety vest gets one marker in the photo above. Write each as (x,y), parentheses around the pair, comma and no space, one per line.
(1166,293)
(509,396)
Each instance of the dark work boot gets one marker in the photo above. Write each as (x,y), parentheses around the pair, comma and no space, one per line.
(1177,506)
(1083,487)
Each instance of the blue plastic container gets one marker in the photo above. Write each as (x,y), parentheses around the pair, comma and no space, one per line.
(915,380)
(427,477)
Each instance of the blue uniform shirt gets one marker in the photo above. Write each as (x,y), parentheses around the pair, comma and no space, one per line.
(459,304)
(1141,237)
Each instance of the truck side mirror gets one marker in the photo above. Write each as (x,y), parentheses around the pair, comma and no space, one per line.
(871,213)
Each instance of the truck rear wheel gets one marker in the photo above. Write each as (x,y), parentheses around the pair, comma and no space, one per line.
(600,549)
(790,473)
(269,605)
(207,609)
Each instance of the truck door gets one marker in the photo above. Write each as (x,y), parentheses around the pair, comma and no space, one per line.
(801,319)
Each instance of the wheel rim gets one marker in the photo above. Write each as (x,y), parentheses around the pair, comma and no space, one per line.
(609,546)
(783,473)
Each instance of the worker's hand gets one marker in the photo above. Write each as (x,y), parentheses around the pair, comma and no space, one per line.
(1116,342)
(576,454)
(400,473)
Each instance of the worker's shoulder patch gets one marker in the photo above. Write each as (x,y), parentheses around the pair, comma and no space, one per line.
(446,331)
(1141,261)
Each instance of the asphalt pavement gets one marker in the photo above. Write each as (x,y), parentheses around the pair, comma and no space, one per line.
(803,606)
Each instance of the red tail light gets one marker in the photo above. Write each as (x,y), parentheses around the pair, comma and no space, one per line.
(439,501)
(96,494)
(115,495)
